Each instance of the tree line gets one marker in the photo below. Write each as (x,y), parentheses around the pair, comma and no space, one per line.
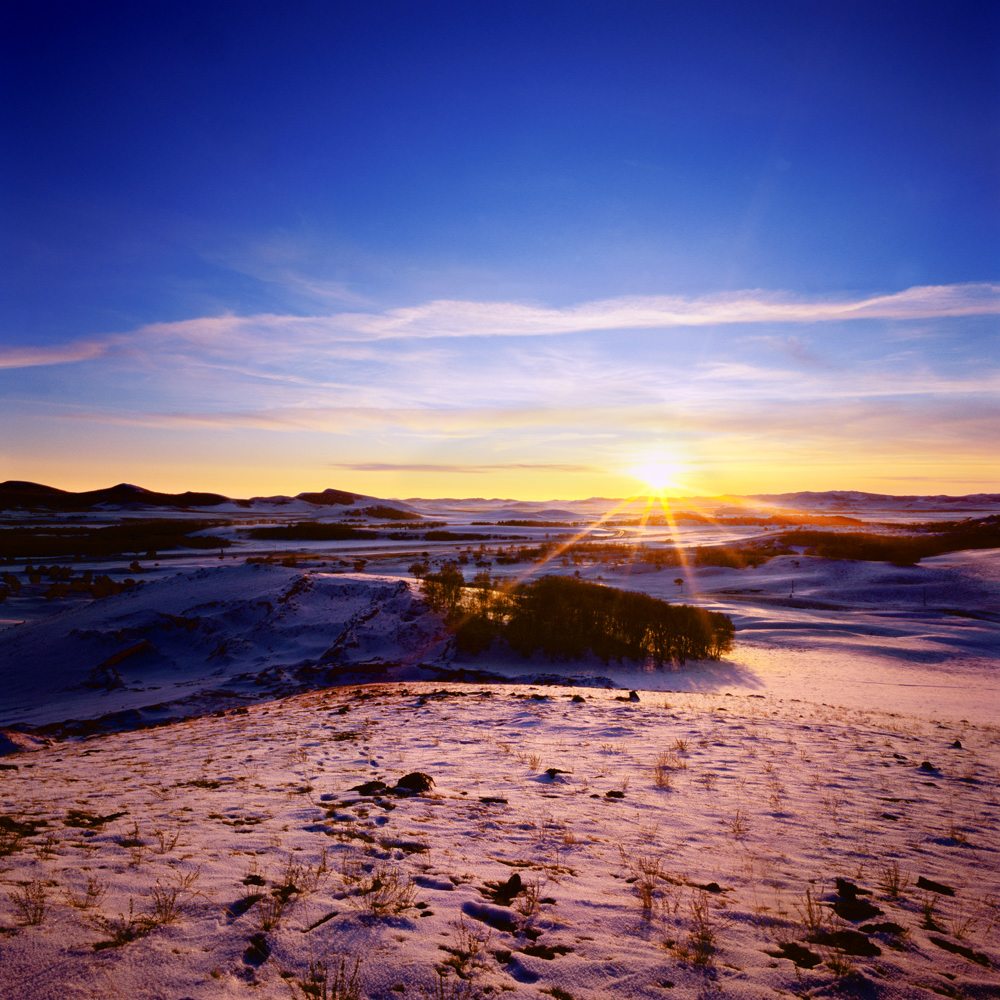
(563,617)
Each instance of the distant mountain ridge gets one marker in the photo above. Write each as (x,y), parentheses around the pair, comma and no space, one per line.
(809,498)
(21,495)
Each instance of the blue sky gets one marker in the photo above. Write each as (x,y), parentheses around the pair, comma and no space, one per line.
(494,248)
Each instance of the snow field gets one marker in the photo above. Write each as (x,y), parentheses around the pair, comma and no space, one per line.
(686,844)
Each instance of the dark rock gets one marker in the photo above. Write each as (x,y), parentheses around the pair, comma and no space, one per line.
(855,909)
(848,941)
(928,767)
(546,951)
(712,887)
(493,800)
(846,889)
(415,783)
(370,788)
(614,794)
(802,956)
(578,699)
(957,745)
(960,949)
(89,821)
(931,886)
(503,893)
(633,696)
(554,772)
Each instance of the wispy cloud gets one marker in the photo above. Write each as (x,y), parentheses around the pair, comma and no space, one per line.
(446,467)
(63,354)
(447,318)
(284,335)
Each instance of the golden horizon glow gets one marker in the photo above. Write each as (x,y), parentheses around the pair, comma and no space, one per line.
(239,467)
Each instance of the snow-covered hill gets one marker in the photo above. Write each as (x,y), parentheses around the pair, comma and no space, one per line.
(233,631)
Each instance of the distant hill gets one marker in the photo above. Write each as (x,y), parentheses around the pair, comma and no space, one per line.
(831,499)
(20,495)
(15,494)
(331,498)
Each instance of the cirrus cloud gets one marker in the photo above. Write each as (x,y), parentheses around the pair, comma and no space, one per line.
(276,336)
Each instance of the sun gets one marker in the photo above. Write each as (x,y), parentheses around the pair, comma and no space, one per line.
(659,472)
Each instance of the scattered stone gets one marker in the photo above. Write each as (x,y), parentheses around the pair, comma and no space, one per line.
(931,886)
(803,957)
(960,949)
(406,846)
(855,909)
(850,942)
(578,699)
(957,745)
(928,767)
(554,772)
(414,783)
(498,800)
(371,788)
(546,951)
(24,828)
(90,821)
(503,893)
(849,906)
(632,696)
(712,887)
(614,794)
(846,889)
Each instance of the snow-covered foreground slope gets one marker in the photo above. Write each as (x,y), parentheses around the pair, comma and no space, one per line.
(684,845)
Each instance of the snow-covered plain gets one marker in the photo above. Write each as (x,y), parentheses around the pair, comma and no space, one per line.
(688,845)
